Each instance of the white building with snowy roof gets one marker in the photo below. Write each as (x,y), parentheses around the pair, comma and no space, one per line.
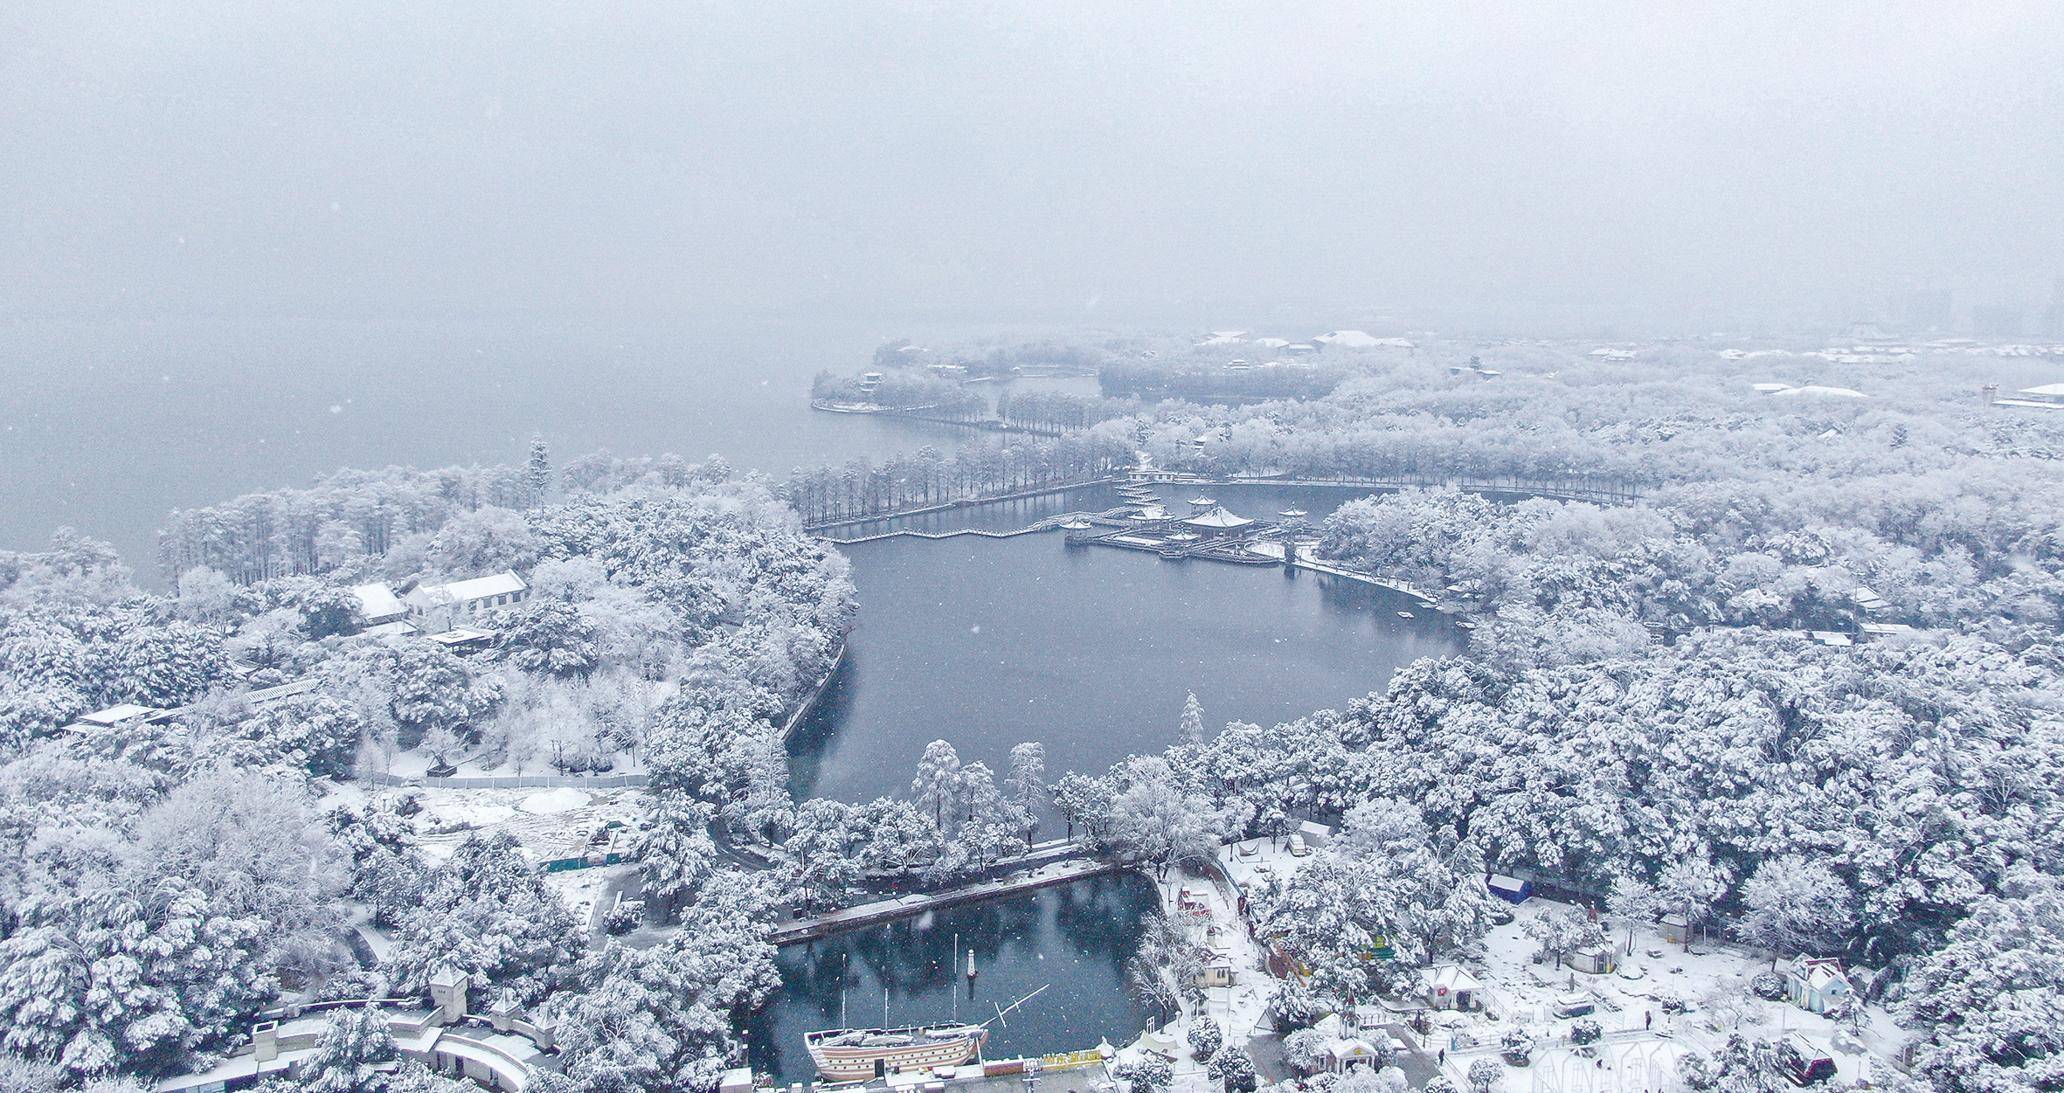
(444,606)
(1450,986)
(1818,985)
(377,604)
(119,714)
(1362,339)
(2049,396)
(1814,390)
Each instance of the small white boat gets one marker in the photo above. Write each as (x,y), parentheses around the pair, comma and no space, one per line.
(1293,514)
(1406,615)
(1076,525)
(1202,501)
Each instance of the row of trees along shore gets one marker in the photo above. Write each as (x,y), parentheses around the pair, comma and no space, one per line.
(860,490)
(356,513)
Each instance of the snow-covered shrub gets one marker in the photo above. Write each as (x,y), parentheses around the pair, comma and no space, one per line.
(1768,986)
(624,917)
(1517,1046)
(1585,1031)
(1484,1075)
(1695,1070)
(1147,1074)
(1305,1050)
(1293,1005)
(1205,1038)
(1234,1068)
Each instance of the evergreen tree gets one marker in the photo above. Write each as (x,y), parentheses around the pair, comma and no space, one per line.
(537,471)
(1191,729)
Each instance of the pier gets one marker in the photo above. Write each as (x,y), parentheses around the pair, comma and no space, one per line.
(1048,864)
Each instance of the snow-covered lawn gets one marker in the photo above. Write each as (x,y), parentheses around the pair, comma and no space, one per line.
(1711,982)
(1642,1042)
(547,823)
(415,763)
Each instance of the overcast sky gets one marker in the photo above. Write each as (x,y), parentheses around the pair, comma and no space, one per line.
(1634,159)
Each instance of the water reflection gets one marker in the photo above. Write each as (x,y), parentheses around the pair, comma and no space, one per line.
(1073,939)
(988,643)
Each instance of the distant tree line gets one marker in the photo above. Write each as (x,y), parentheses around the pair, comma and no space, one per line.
(1212,380)
(858,489)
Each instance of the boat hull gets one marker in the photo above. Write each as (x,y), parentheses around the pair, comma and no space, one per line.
(841,1063)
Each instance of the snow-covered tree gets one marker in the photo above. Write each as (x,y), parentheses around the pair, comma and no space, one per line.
(1563,931)
(352,1054)
(548,637)
(487,912)
(675,854)
(1083,802)
(1306,1050)
(206,596)
(1991,1000)
(1147,1074)
(937,786)
(1484,1075)
(823,862)
(537,471)
(1025,786)
(1795,904)
(1632,903)
(1232,1068)
(1689,887)
(1191,728)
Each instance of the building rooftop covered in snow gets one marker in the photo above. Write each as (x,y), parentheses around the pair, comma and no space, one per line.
(1216,520)
(378,604)
(472,594)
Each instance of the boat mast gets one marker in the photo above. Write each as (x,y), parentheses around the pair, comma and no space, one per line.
(1002,1010)
(949,977)
(843,973)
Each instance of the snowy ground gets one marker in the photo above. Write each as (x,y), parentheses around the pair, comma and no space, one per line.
(547,823)
(1241,1009)
(415,762)
(1642,1042)
(1712,982)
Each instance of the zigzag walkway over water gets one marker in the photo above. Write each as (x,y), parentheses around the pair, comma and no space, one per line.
(1048,524)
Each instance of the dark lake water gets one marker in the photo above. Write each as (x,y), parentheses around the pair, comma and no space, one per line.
(1076,938)
(987,643)
(1091,650)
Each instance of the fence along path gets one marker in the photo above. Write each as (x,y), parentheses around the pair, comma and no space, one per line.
(506,781)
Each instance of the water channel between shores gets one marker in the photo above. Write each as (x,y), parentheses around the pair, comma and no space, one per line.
(988,643)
